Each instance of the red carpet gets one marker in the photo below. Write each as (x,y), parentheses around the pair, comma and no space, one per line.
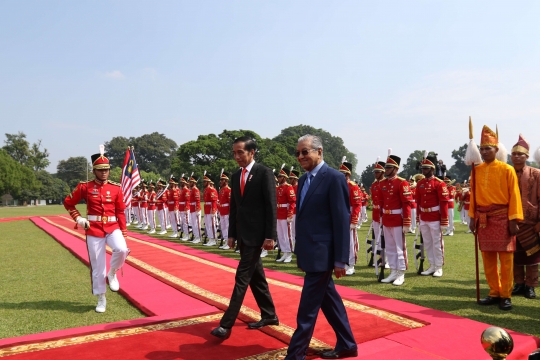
(18,218)
(416,333)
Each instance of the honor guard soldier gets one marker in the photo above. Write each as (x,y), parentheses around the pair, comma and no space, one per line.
(195,209)
(412,186)
(161,205)
(183,210)
(432,200)
(210,197)
(365,199)
(105,225)
(355,201)
(378,172)
(466,196)
(135,205)
(396,219)
(152,202)
(294,175)
(451,196)
(286,202)
(224,207)
(143,206)
(173,196)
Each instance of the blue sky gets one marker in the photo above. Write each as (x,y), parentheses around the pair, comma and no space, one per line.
(379,74)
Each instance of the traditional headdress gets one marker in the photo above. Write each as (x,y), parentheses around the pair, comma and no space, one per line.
(502,154)
(522,146)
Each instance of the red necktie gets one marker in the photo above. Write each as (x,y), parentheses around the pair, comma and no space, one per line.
(243,181)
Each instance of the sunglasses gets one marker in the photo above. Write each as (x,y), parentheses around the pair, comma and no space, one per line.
(304,152)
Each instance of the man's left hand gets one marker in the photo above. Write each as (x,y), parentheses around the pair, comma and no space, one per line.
(513,227)
(339,272)
(268,244)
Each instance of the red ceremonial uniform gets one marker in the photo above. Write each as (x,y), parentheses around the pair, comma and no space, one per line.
(413,201)
(143,199)
(210,197)
(103,199)
(183,197)
(451,196)
(286,201)
(365,197)
(466,200)
(152,200)
(295,188)
(224,200)
(194,200)
(173,197)
(432,200)
(376,201)
(355,200)
(135,201)
(395,202)
(162,200)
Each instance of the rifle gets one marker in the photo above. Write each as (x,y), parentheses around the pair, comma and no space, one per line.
(420,255)
(381,261)
(369,245)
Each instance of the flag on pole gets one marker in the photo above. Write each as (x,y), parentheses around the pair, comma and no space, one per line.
(130,176)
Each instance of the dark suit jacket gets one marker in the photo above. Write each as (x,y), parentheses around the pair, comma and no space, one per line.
(252,217)
(322,223)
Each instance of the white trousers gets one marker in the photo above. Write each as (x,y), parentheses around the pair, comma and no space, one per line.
(195,218)
(96,253)
(210,226)
(293,229)
(127,212)
(283,234)
(162,219)
(364,213)
(137,214)
(396,251)
(152,219)
(224,225)
(143,216)
(433,242)
(376,230)
(451,219)
(353,246)
(173,221)
(463,215)
(413,218)
(185,222)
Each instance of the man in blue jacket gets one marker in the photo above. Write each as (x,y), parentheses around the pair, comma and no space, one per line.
(322,246)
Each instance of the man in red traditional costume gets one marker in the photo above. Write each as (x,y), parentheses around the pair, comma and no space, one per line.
(495,211)
(527,254)
(355,202)
(104,225)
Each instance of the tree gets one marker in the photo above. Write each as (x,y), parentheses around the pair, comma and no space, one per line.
(367,178)
(51,188)
(116,150)
(459,171)
(74,170)
(334,148)
(16,179)
(18,147)
(38,160)
(409,167)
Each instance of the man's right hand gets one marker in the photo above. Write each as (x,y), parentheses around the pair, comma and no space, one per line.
(230,242)
(82,222)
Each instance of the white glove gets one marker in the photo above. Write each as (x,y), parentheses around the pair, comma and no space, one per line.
(353,226)
(406,229)
(289,219)
(82,222)
(444,228)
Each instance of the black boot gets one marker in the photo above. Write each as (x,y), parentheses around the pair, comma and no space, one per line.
(518,289)
(529,292)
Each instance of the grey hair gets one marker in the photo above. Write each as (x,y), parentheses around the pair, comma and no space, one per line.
(316,142)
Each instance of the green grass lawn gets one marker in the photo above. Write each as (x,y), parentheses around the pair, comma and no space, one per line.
(453,293)
(44,287)
(14,211)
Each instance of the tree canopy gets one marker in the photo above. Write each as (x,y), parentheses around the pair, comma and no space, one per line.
(73,170)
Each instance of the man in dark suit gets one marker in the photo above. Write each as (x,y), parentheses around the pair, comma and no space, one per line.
(322,246)
(252,222)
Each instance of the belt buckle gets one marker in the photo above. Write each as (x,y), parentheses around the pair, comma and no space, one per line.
(104,219)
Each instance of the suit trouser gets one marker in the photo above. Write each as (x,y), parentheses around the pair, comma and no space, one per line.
(210,226)
(283,234)
(319,292)
(224,225)
(396,251)
(433,242)
(98,257)
(500,279)
(249,272)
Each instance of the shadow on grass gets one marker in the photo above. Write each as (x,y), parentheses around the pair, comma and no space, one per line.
(58,305)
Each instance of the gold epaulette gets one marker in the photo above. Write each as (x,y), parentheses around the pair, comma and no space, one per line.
(436,178)
(400,178)
(352,183)
(114,183)
(85,182)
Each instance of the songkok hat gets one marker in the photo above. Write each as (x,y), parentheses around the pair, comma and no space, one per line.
(489,137)
(522,146)
(429,162)
(345,167)
(379,166)
(294,174)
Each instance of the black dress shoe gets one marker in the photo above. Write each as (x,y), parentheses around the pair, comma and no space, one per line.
(529,292)
(333,354)
(488,300)
(518,289)
(263,322)
(221,333)
(505,304)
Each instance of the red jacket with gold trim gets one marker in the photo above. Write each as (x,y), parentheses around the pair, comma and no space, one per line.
(285,200)
(356,201)
(224,200)
(432,200)
(396,202)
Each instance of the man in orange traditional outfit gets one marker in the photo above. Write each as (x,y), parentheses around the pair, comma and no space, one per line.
(527,254)
(495,210)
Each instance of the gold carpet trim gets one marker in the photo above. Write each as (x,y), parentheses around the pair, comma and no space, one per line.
(106,335)
(284,329)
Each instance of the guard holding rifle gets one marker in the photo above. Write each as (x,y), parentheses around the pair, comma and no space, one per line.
(432,200)
(105,225)
(355,200)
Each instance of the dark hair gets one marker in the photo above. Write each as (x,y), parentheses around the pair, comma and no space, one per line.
(249,143)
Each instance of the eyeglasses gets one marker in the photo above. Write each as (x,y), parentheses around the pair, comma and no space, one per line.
(304,152)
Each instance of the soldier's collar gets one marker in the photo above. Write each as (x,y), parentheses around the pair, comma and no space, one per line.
(100,182)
